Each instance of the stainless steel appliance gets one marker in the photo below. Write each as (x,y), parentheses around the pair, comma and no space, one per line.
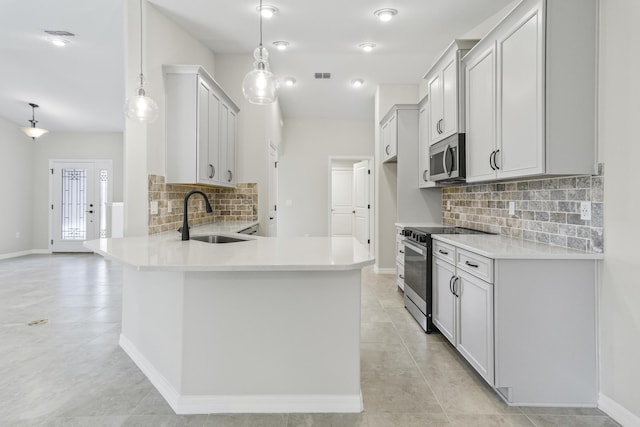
(448,159)
(418,280)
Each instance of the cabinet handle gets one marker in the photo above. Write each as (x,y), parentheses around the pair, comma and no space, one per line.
(230,175)
(470,264)
(495,160)
(441,125)
(401,251)
(493,153)
(270,217)
(212,170)
(451,284)
(401,276)
(425,178)
(386,150)
(455,280)
(438,127)
(443,252)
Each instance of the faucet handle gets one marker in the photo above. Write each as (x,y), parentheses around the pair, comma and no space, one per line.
(179,230)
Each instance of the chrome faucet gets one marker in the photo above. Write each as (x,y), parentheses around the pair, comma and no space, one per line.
(185,221)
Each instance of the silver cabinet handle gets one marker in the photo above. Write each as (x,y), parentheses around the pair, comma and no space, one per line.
(491,159)
(451,284)
(443,252)
(401,251)
(425,178)
(470,264)
(495,159)
(230,175)
(401,276)
(386,149)
(212,171)
(455,280)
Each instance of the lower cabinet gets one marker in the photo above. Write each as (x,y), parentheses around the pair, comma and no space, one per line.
(463,306)
(400,257)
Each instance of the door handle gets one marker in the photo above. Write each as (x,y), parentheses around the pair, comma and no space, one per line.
(91,211)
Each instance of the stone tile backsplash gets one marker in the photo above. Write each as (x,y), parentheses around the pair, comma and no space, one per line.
(229,204)
(546,210)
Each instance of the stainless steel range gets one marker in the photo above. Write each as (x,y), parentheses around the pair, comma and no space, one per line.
(418,278)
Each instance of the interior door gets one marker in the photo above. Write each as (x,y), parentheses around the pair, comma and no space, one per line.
(79,192)
(273,190)
(342,202)
(362,204)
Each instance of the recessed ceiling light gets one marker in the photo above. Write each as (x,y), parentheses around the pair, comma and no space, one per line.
(267,11)
(367,47)
(281,45)
(357,82)
(289,81)
(57,41)
(385,15)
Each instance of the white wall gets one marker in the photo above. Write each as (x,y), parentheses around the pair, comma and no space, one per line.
(386,176)
(304,170)
(257,125)
(17,177)
(144,149)
(69,146)
(619,110)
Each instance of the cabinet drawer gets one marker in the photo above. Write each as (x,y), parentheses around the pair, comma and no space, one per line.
(444,251)
(475,264)
(400,276)
(400,251)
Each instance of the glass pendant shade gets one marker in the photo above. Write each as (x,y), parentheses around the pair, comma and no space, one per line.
(34,132)
(141,108)
(260,86)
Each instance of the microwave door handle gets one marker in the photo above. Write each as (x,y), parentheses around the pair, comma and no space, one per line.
(444,160)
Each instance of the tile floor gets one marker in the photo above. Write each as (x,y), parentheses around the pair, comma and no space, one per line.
(71,372)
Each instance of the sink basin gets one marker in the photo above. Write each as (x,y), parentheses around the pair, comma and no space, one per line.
(218,238)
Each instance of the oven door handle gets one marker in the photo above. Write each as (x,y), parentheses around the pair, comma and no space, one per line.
(421,250)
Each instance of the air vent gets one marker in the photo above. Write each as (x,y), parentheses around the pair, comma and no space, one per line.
(323,76)
(58,33)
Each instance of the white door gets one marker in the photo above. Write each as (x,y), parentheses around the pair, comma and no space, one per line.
(361,201)
(273,190)
(342,202)
(79,192)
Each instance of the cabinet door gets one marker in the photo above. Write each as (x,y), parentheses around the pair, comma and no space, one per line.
(423,146)
(204,166)
(435,109)
(231,147)
(475,317)
(224,146)
(214,139)
(444,301)
(449,124)
(390,138)
(480,114)
(521,97)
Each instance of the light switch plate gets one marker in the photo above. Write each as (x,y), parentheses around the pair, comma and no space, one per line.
(512,208)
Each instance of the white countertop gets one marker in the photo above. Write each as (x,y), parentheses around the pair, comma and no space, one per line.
(502,247)
(167,252)
(420,224)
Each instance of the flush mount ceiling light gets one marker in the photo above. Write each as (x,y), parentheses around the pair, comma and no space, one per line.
(267,11)
(281,45)
(259,86)
(33,132)
(140,107)
(59,38)
(367,47)
(357,83)
(289,81)
(59,42)
(385,15)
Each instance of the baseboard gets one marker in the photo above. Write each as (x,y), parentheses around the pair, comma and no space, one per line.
(379,270)
(24,253)
(617,411)
(218,404)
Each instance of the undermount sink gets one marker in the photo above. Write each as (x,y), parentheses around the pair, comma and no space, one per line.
(218,238)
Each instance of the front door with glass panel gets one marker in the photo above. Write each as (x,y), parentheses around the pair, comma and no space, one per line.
(79,193)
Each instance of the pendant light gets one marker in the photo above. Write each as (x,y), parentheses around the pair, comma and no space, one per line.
(260,86)
(140,107)
(33,132)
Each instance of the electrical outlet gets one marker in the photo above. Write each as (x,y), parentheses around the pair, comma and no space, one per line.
(154,207)
(512,208)
(448,205)
(585,211)
(169,207)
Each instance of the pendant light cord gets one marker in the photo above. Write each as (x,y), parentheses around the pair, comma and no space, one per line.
(260,23)
(141,75)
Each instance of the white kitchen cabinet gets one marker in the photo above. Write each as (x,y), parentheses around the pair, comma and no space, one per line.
(400,257)
(530,93)
(424,181)
(445,89)
(463,305)
(200,128)
(389,131)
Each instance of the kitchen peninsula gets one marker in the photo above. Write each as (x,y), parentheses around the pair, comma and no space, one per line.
(262,325)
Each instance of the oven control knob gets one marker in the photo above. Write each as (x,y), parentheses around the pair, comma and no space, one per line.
(422,239)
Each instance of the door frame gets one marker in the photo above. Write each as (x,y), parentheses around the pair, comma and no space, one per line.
(52,163)
(355,159)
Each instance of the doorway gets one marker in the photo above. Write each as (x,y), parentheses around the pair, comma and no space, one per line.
(273,190)
(79,191)
(351,198)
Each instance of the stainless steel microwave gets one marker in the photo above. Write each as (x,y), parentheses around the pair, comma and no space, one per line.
(447,162)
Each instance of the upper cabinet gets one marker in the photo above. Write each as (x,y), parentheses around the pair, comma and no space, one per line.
(424,180)
(445,90)
(200,128)
(389,133)
(530,93)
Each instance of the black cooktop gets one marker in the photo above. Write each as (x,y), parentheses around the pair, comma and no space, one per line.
(445,230)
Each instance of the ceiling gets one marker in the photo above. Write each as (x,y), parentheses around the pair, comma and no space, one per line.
(81,87)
